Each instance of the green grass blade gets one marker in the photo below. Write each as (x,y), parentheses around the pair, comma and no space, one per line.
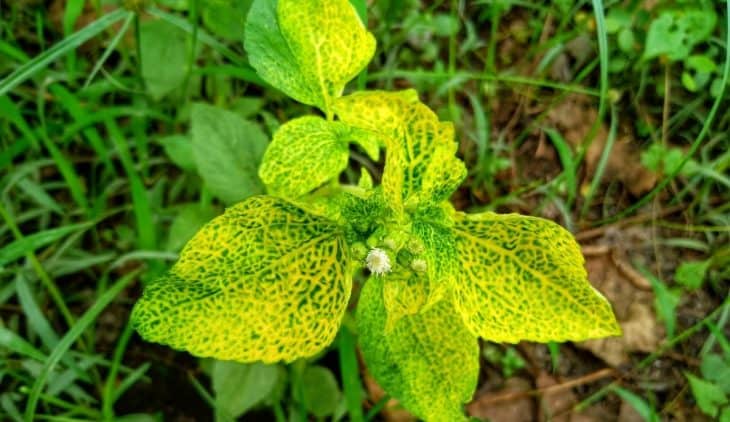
(14,343)
(109,49)
(68,44)
(568,161)
(74,108)
(75,332)
(27,244)
(351,384)
(601,167)
(146,229)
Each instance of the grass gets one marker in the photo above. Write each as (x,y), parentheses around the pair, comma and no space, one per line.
(89,197)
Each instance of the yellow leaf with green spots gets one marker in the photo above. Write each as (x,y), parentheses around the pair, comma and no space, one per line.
(522,278)
(421,166)
(307,152)
(428,361)
(404,293)
(265,281)
(309,49)
(304,153)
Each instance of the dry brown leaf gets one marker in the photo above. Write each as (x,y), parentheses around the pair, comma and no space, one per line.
(574,118)
(634,310)
(517,410)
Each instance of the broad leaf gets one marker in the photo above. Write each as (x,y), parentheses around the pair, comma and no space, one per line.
(240,386)
(164,57)
(227,151)
(304,153)
(421,167)
(675,32)
(522,278)
(320,392)
(265,281)
(226,17)
(428,361)
(309,49)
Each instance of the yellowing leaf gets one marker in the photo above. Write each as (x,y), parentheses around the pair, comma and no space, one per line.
(305,153)
(309,49)
(404,294)
(263,282)
(428,361)
(329,41)
(421,167)
(522,278)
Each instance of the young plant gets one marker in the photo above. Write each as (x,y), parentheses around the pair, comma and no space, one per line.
(270,279)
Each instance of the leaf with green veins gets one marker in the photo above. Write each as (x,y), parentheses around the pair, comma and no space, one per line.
(309,49)
(404,293)
(368,141)
(227,151)
(304,153)
(421,166)
(380,112)
(265,281)
(522,278)
(428,361)
(330,42)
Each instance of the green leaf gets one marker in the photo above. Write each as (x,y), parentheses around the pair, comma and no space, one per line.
(665,303)
(692,274)
(180,150)
(522,278)
(226,18)
(675,32)
(238,387)
(716,369)
(265,281)
(421,167)
(164,57)
(428,361)
(309,49)
(710,398)
(643,408)
(227,150)
(304,153)
(320,391)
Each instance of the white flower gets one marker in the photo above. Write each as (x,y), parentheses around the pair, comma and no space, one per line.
(378,261)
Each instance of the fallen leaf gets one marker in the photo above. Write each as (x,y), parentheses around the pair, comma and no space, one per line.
(521,408)
(574,118)
(634,311)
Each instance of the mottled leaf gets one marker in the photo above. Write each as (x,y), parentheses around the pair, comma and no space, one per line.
(421,166)
(265,281)
(522,278)
(428,361)
(308,48)
(304,153)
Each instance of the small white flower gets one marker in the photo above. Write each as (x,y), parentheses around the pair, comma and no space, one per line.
(378,261)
